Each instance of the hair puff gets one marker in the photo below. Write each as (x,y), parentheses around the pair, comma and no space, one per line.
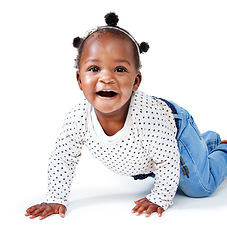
(143,46)
(111,19)
(77,41)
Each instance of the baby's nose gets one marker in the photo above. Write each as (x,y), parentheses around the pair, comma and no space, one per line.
(106,78)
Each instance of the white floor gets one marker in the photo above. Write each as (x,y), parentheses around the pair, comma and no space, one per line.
(100,208)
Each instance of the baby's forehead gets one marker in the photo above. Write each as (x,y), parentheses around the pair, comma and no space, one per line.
(109,41)
(111,35)
(108,38)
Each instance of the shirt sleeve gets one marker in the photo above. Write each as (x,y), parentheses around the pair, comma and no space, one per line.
(63,160)
(166,181)
(165,155)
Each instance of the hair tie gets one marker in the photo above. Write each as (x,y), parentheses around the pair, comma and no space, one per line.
(143,47)
(111,19)
(77,41)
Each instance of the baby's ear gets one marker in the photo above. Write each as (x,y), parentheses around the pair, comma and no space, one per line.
(79,79)
(138,80)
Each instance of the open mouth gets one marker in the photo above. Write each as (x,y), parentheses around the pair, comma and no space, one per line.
(108,94)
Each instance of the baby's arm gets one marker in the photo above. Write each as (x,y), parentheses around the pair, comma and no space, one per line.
(165,186)
(62,165)
(44,210)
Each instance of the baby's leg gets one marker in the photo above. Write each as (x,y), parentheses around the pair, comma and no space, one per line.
(212,140)
(203,160)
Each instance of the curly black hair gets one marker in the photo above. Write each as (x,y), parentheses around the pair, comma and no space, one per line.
(111,20)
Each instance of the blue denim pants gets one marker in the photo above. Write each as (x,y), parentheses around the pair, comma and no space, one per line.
(203,160)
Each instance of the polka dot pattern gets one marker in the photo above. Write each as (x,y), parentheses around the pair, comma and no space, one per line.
(147,144)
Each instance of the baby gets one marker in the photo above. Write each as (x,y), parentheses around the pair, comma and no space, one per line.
(130,132)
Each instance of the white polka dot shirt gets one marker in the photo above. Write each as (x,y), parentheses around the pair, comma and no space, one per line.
(147,143)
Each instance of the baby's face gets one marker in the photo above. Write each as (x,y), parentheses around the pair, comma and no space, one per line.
(107,74)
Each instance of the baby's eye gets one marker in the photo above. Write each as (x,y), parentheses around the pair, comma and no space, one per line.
(120,69)
(94,69)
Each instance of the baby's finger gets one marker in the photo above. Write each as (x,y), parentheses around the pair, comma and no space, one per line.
(136,208)
(38,212)
(160,210)
(62,210)
(140,210)
(150,210)
(31,209)
(49,211)
(35,214)
(139,201)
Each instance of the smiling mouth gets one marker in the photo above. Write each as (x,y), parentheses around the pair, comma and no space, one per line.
(108,94)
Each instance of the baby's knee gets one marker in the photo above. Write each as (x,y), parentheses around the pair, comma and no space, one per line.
(195,190)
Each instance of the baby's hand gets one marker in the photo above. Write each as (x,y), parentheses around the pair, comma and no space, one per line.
(145,205)
(44,210)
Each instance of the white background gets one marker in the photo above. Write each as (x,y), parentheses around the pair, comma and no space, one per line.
(186,63)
